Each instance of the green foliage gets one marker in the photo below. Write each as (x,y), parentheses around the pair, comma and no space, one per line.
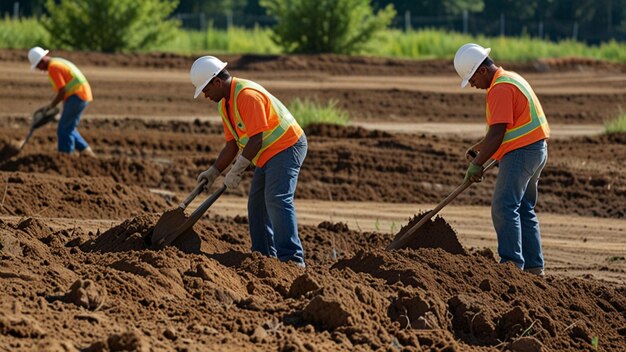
(232,41)
(438,44)
(308,112)
(326,26)
(595,342)
(110,25)
(22,33)
(617,125)
(422,44)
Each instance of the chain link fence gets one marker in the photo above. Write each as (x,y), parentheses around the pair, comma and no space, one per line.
(473,24)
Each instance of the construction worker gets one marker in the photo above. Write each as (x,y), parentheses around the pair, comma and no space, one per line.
(71,87)
(269,138)
(517,135)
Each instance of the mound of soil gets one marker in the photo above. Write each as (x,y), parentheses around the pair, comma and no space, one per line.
(434,233)
(137,298)
(583,175)
(79,198)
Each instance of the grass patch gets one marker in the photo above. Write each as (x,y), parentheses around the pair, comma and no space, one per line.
(439,44)
(414,44)
(231,41)
(22,33)
(617,125)
(309,112)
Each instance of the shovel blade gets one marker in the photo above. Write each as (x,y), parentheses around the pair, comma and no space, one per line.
(168,223)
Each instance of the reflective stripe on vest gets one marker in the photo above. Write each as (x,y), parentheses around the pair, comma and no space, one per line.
(285,119)
(78,78)
(536,120)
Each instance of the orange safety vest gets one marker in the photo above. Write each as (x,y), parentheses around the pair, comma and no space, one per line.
(283,131)
(75,81)
(527,128)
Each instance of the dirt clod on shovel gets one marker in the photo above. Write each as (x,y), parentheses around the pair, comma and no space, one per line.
(435,233)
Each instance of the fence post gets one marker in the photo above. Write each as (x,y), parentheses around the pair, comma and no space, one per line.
(465,21)
(16,10)
(407,20)
(502,24)
(229,18)
(575,31)
(540,29)
(203,21)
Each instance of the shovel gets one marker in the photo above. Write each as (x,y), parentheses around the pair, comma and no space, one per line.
(173,223)
(409,234)
(40,117)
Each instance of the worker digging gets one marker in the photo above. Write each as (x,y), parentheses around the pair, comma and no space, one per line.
(260,127)
(70,87)
(517,135)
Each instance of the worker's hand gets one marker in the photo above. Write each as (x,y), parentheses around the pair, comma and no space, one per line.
(470,154)
(233,177)
(474,173)
(209,175)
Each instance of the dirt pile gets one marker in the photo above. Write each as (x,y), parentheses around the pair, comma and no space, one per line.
(434,233)
(85,197)
(343,163)
(364,298)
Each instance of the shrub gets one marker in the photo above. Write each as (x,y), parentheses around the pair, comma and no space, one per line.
(326,26)
(110,25)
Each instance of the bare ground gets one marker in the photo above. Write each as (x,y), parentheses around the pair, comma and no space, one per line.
(77,270)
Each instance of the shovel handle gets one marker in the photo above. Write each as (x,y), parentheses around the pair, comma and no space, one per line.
(399,242)
(193,194)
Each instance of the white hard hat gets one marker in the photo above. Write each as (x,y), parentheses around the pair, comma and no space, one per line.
(203,70)
(467,60)
(35,55)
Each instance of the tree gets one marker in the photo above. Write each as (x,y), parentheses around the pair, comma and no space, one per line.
(110,25)
(326,26)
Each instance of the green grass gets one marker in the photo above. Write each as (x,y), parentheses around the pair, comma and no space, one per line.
(309,112)
(438,44)
(232,41)
(617,125)
(22,33)
(416,44)
(595,342)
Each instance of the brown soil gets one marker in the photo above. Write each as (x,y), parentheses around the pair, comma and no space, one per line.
(67,285)
(434,233)
(571,90)
(110,285)
(583,175)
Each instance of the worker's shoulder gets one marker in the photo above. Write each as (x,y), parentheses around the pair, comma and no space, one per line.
(251,94)
(503,87)
(58,62)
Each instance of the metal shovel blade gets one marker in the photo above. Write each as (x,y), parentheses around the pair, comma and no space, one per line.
(171,219)
(176,227)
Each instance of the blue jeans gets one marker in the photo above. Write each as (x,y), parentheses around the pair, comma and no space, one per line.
(513,206)
(271,210)
(68,137)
